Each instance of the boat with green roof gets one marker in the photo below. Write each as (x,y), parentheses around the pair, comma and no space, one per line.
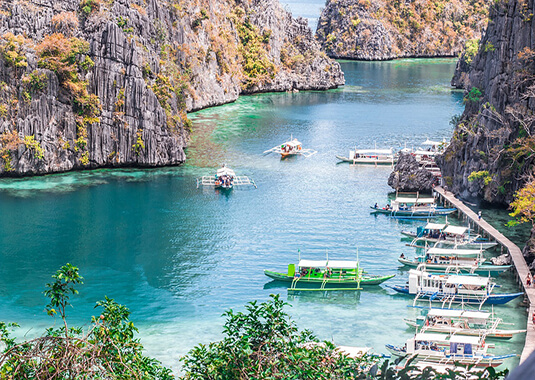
(327,275)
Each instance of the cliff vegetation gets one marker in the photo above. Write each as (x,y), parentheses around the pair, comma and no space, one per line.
(92,83)
(491,155)
(380,30)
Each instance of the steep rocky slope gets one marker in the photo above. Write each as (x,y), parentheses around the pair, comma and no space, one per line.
(380,30)
(94,83)
(492,150)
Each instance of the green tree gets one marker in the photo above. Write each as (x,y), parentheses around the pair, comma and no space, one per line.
(523,205)
(108,350)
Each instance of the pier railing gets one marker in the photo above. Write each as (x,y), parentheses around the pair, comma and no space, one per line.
(520,265)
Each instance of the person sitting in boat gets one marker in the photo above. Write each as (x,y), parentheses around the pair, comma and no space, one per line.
(375,206)
(402,256)
(387,207)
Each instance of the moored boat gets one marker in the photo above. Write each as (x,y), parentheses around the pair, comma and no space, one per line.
(291,148)
(420,206)
(445,234)
(370,156)
(464,322)
(448,350)
(454,260)
(225,178)
(452,289)
(327,275)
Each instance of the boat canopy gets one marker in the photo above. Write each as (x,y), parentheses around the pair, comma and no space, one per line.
(456,313)
(338,264)
(415,200)
(474,340)
(456,230)
(435,226)
(425,153)
(432,337)
(432,143)
(468,280)
(476,315)
(225,171)
(293,143)
(452,252)
(374,151)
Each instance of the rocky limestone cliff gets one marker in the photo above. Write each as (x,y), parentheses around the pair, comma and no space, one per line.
(491,152)
(381,30)
(94,83)
(408,176)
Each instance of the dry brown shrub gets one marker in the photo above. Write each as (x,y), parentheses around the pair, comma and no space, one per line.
(65,23)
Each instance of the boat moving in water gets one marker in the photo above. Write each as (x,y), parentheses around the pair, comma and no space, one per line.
(225,178)
(445,234)
(454,260)
(370,156)
(450,289)
(327,275)
(464,322)
(291,148)
(447,350)
(420,206)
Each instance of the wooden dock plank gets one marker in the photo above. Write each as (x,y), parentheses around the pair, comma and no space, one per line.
(517,258)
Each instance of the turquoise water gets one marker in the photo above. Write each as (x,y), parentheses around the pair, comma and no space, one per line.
(179,256)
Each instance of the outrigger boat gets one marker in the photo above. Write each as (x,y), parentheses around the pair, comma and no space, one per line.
(450,289)
(291,148)
(327,274)
(463,322)
(445,234)
(447,350)
(225,178)
(454,260)
(370,156)
(413,207)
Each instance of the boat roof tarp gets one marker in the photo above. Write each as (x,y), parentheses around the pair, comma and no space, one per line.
(456,230)
(453,251)
(465,339)
(435,226)
(293,142)
(431,142)
(476,314)
(225,171)
(458,313)
(374,151)
(432,337)
(468,280)
(415,200)
(328,263)
(425,153)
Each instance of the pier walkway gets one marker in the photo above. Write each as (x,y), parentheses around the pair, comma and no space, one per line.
(516,256)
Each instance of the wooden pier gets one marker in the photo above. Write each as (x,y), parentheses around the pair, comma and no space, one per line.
(516,255)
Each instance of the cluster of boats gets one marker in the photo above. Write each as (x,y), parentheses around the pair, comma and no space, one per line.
(424,156)
(447,273)
(226,178)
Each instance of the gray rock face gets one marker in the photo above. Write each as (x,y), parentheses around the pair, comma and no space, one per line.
(114,87)
(382,30)
(490,152)
(504,259)
(407,175)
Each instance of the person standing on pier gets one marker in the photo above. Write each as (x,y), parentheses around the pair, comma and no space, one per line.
(479,215)
(528,280)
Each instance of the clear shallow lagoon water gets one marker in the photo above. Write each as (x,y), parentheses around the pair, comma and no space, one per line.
(179,256)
